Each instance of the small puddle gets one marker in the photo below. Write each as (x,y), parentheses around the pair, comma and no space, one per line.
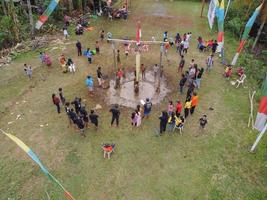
(125,95)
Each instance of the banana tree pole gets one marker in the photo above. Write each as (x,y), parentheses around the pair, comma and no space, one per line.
(4,7)
(30,18)
(202,8)
(259,33)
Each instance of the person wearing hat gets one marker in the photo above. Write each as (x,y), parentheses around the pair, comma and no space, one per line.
(147,107)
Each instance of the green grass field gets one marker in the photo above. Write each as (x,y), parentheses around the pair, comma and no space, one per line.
(215,164)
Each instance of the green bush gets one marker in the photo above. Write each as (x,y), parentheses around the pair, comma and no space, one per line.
(255,69)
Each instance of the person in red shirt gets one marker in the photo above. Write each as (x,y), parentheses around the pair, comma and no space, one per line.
(194,103)
(179,108)
(56,101)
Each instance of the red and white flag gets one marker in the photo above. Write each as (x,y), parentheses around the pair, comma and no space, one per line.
(138,33)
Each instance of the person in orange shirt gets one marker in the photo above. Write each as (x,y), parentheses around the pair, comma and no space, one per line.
(194,103)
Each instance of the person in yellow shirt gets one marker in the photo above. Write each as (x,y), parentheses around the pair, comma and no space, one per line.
(187,107)
(194,103)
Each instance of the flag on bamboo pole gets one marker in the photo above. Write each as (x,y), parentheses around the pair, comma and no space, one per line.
(220,19)
(211,12)
(138,33)
(246,33)
(35,158)
(261,118)
(44,17)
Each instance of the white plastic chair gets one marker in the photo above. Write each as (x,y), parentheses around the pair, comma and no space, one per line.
(240,80)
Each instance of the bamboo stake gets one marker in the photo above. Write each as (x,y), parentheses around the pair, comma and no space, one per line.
(251,118)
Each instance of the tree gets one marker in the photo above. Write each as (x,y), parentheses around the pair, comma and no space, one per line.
(13,14)
(30,18)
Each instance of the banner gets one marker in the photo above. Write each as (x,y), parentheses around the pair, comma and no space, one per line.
(44,17)
(261,119)
(35,158)
(211,12)
(220,19)
(246,33)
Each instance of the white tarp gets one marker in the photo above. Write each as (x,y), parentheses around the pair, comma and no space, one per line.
(211,12)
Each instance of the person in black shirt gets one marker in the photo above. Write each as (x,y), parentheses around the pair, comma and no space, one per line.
(163,121)
(203,121)
(79,48)
(94,118)
(181,64)
(99,76)
(67,109)
(190,91)
(61,96)
(214,46)
(80,124)
(72,115)
(199,76)
(182,83)
(115,115)
(77,104)
(84,116)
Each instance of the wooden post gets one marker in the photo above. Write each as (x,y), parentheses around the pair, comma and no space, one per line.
(114,55)
(202,8)
(258,34)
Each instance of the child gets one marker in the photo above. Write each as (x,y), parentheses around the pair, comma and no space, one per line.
(65,32)
(143,71)
(68,112)
(171,121)
(97,49)
(29,72)
(63,62)
(134,119)
(181,64)
(102,35)
(99,76)
(115,115)
(109,36)
(94,118)
(163,121)
(179,108)
(147,108)
(71,66)
(170,108)
(209,63)
(89,55)
(118,57)
(182,83)
(202,122)
(61,96)
(90,85)
(187,107)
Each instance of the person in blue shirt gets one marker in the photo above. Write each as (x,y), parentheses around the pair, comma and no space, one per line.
(90,85)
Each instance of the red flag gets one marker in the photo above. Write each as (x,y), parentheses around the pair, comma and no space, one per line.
(138,33)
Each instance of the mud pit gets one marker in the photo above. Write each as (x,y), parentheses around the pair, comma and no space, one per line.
(125,95)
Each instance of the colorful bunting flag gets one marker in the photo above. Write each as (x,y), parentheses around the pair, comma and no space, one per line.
(44,17)
(261,119)
(35,158)
(211,12)
(220,19)
(246,33)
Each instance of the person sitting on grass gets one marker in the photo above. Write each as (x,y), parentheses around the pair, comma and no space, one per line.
(228,72)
